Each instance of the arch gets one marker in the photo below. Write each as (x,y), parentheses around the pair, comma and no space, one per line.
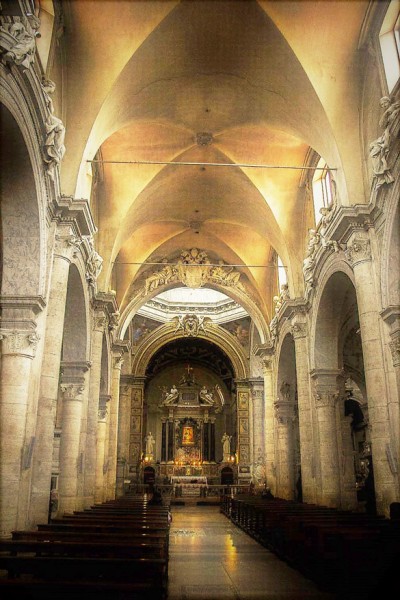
(23,231)
(160,336)
(335,281)
(76,335)
(241,298)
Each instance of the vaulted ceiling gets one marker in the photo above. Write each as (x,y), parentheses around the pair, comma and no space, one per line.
(236,82)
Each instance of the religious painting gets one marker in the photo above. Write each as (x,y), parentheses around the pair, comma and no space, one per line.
(243,400)
(187,435)
(137,398)
(243,426)
(135,423)
(141,327)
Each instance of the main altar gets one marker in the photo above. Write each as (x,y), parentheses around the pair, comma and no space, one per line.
(188,415)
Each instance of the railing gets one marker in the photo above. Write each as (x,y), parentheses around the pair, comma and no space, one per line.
(205,491)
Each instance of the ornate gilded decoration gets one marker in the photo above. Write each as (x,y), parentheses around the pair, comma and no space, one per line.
(193,269)
(191,324)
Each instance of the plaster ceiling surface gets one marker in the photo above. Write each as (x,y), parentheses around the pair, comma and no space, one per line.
(236,82)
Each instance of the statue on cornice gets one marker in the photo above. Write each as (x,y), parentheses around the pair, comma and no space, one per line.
(54,148)
(206,397)
(22,52)
(94,264)
(170,397)
(379,148)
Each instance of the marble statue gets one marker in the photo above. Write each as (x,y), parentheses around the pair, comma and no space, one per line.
(172,396)
(161,277)
(94,264)
(23,50)
(226,445)
(379,148)
(205,396)
(150,441)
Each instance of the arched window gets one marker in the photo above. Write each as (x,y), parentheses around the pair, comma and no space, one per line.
(389,39)
(45,12)
(321,188)
(282,275)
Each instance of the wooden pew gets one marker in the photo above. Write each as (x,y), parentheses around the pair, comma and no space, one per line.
(88,554)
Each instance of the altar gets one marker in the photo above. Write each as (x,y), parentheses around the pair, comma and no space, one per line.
(184,485)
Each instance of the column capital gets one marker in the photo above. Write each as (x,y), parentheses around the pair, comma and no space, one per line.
(102,408)
(266,352)
(299,330)
(358,248)
(284,412)
(67,245)
(99,321)
(327,385)
(72,391)
(17,342)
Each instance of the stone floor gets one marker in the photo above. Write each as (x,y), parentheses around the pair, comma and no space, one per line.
(212,559)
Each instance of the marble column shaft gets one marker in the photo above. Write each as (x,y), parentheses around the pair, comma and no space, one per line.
(70,445)
(18,350)
(284,412)
(358,253)
(113,428)
(305,409)
(326,395)
(100,491)
(43,455)
(258,424)
(99,325)
(123,432)
(270,464)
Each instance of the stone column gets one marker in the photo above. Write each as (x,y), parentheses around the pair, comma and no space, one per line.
(243,430)
(257,395)
(326,393)
(125,408)
(285,417)
(391,316)
(99,494)
(73,389)
(136,424)
(113,428)
(358,253)
(269,417)
(66,248)
(305,408)
(17,352)
(348,476)
(99,327)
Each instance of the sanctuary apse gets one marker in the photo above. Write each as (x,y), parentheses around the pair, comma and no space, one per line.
(199,250)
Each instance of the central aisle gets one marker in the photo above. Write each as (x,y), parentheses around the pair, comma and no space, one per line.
(212,559)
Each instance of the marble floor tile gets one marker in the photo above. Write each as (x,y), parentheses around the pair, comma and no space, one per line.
(211,559)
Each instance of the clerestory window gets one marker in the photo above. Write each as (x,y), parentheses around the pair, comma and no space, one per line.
(321,188)
(389,39)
